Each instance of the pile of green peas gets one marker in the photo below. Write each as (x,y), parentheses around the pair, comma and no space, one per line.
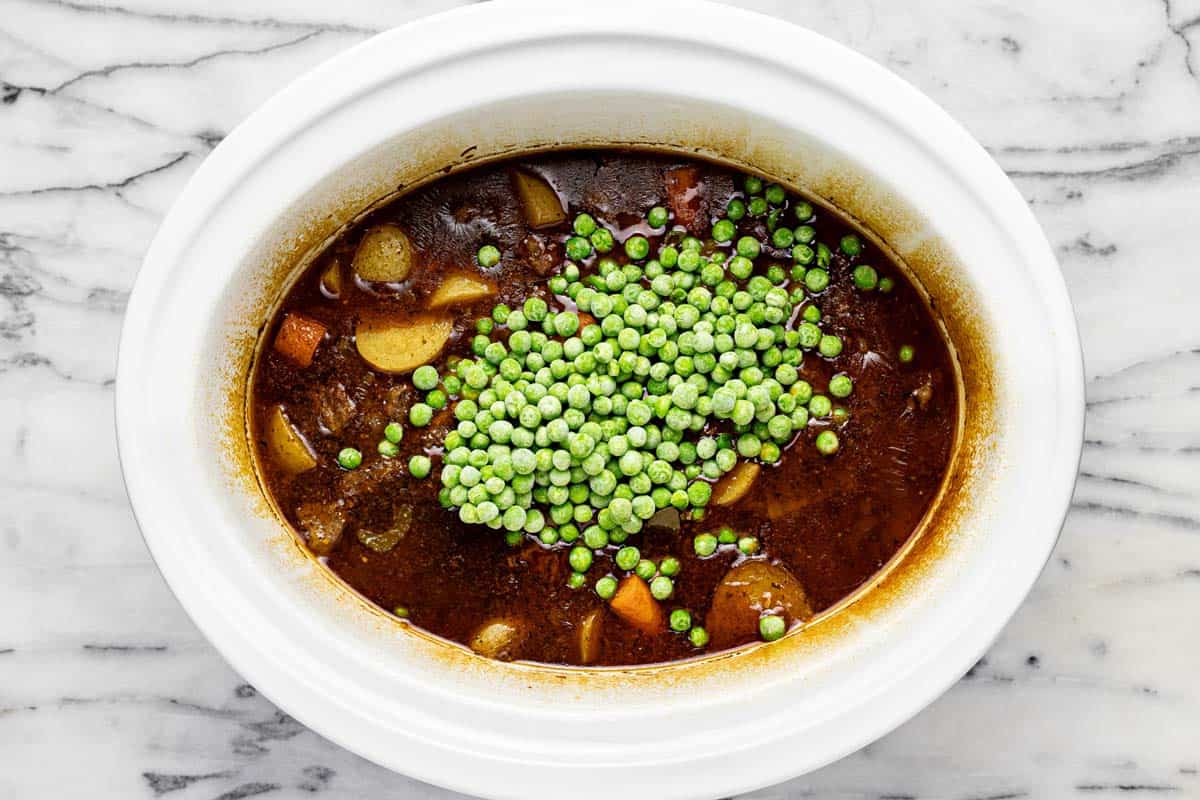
(578,432)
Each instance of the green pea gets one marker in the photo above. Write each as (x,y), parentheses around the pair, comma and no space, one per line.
(907,353)
(393,432)
(830,346)
(419,466)
(851,245)
(865,277)
(886,285)
(425,377)
(578,248)
(669,566)
(735,209)
(388,449)
(662,587)
(748,247)
(771,627)
(488,256)
(820,406)
(748,545)
(726,535)
(816,280)
(575,580)
(606,587)
(705,544)
(827,443)
(580,559)
(645,570)
(602,240)
(698,637)
(757,207)
(657,217)
(637,247)
(752,184)
(680,620)
(841,385)
(584,224)
(775,194)
(349,458)
(723,230)
(420,414)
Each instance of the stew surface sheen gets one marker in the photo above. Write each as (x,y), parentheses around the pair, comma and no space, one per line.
(828,522)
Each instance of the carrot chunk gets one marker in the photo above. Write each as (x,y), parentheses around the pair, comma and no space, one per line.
(298,338)
(634,604)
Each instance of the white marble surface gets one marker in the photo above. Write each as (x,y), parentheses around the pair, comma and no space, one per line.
(108,690)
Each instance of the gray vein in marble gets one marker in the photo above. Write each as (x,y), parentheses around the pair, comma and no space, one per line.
(110,186)
(151,65)
(202,19)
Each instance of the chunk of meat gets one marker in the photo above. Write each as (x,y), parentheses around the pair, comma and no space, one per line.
(544,256)
(322,524)
(921,396)
(498,638)
(665,519)
(298,338)
(335,407)
(634,604)
(685,195)
(369,478)
(748,591)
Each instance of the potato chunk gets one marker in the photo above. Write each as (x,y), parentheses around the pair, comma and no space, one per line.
(285,446)
(734,485)
(538,200)
(591,632)
(498,639)
(747,592)
(298,338)
(331,280)
(459,289)
(385,255)
(392,345)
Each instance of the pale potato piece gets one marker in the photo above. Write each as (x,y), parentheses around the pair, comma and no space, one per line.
(385,255)
(748,591)
(392,345)
(286,446)
(331,279)
(461,288)
(590,632)
(735,483)
(539,201)
(497,639)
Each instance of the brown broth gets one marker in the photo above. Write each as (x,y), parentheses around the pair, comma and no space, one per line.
(833,522)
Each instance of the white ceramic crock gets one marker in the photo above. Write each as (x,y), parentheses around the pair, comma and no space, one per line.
(499,77)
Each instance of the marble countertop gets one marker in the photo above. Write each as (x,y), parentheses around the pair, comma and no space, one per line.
(106,108)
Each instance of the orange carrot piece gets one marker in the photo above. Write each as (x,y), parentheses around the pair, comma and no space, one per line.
(634,604)
(298,338)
